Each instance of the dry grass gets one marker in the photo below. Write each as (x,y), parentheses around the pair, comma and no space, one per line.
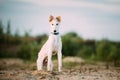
(73,69)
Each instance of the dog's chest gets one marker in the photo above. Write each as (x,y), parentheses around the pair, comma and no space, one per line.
(55,43)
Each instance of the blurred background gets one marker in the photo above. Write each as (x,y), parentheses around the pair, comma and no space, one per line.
(90,29)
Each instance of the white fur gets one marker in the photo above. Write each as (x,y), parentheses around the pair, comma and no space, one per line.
(53,44)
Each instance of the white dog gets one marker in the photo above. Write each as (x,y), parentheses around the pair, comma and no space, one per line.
(53,45)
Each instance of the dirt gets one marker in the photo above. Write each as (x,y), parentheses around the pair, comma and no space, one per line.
(17,69)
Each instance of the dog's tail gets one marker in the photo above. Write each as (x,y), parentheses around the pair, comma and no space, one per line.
(45,61)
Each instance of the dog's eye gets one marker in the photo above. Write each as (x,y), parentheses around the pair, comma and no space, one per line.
(52,24)
(56,24)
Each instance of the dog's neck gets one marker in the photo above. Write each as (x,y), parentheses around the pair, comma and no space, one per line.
(57,33)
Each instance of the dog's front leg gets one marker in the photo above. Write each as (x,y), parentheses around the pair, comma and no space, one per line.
(49,60)
(59,61)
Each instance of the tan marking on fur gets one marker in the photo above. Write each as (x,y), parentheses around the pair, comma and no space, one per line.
(51,18)
(45,61)
(58,18)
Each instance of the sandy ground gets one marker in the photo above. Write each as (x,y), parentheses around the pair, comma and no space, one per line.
(73,69)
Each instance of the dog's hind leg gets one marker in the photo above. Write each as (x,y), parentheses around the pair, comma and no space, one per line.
(39,64)
(51,66)
(49,61)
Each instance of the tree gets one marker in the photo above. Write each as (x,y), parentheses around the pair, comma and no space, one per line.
(17,33)
(8,33)
(1,32)
(8,29)
(1,28)
(17,39)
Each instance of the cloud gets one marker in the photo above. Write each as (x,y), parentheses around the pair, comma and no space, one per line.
(109,6)
(114,1)
(96,25)
(112,6)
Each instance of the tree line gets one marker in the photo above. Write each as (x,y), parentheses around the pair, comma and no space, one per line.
(27,47)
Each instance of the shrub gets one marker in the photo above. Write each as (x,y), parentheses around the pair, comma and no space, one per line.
(71,44)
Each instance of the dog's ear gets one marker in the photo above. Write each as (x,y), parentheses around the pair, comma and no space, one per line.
(51,18)
(58,18)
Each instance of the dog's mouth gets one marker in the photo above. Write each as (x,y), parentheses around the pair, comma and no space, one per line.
(55,33)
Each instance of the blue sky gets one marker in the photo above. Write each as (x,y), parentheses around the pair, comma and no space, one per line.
(91,19)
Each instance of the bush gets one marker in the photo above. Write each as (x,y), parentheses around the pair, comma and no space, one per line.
(25,51)
(85,52)
(71,44)
(108,51)
(103,50)
(29,49)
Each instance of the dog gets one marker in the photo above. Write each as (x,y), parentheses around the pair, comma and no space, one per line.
(53,45)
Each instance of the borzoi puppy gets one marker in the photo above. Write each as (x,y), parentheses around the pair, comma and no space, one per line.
(53,45)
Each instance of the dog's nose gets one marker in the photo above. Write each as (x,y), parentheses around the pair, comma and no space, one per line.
(54,30)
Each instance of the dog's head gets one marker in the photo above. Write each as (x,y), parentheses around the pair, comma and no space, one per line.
(55,23)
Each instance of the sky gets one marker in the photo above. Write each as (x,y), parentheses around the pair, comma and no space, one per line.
(91,19)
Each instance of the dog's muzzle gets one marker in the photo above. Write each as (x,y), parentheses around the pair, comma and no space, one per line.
(55,33)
